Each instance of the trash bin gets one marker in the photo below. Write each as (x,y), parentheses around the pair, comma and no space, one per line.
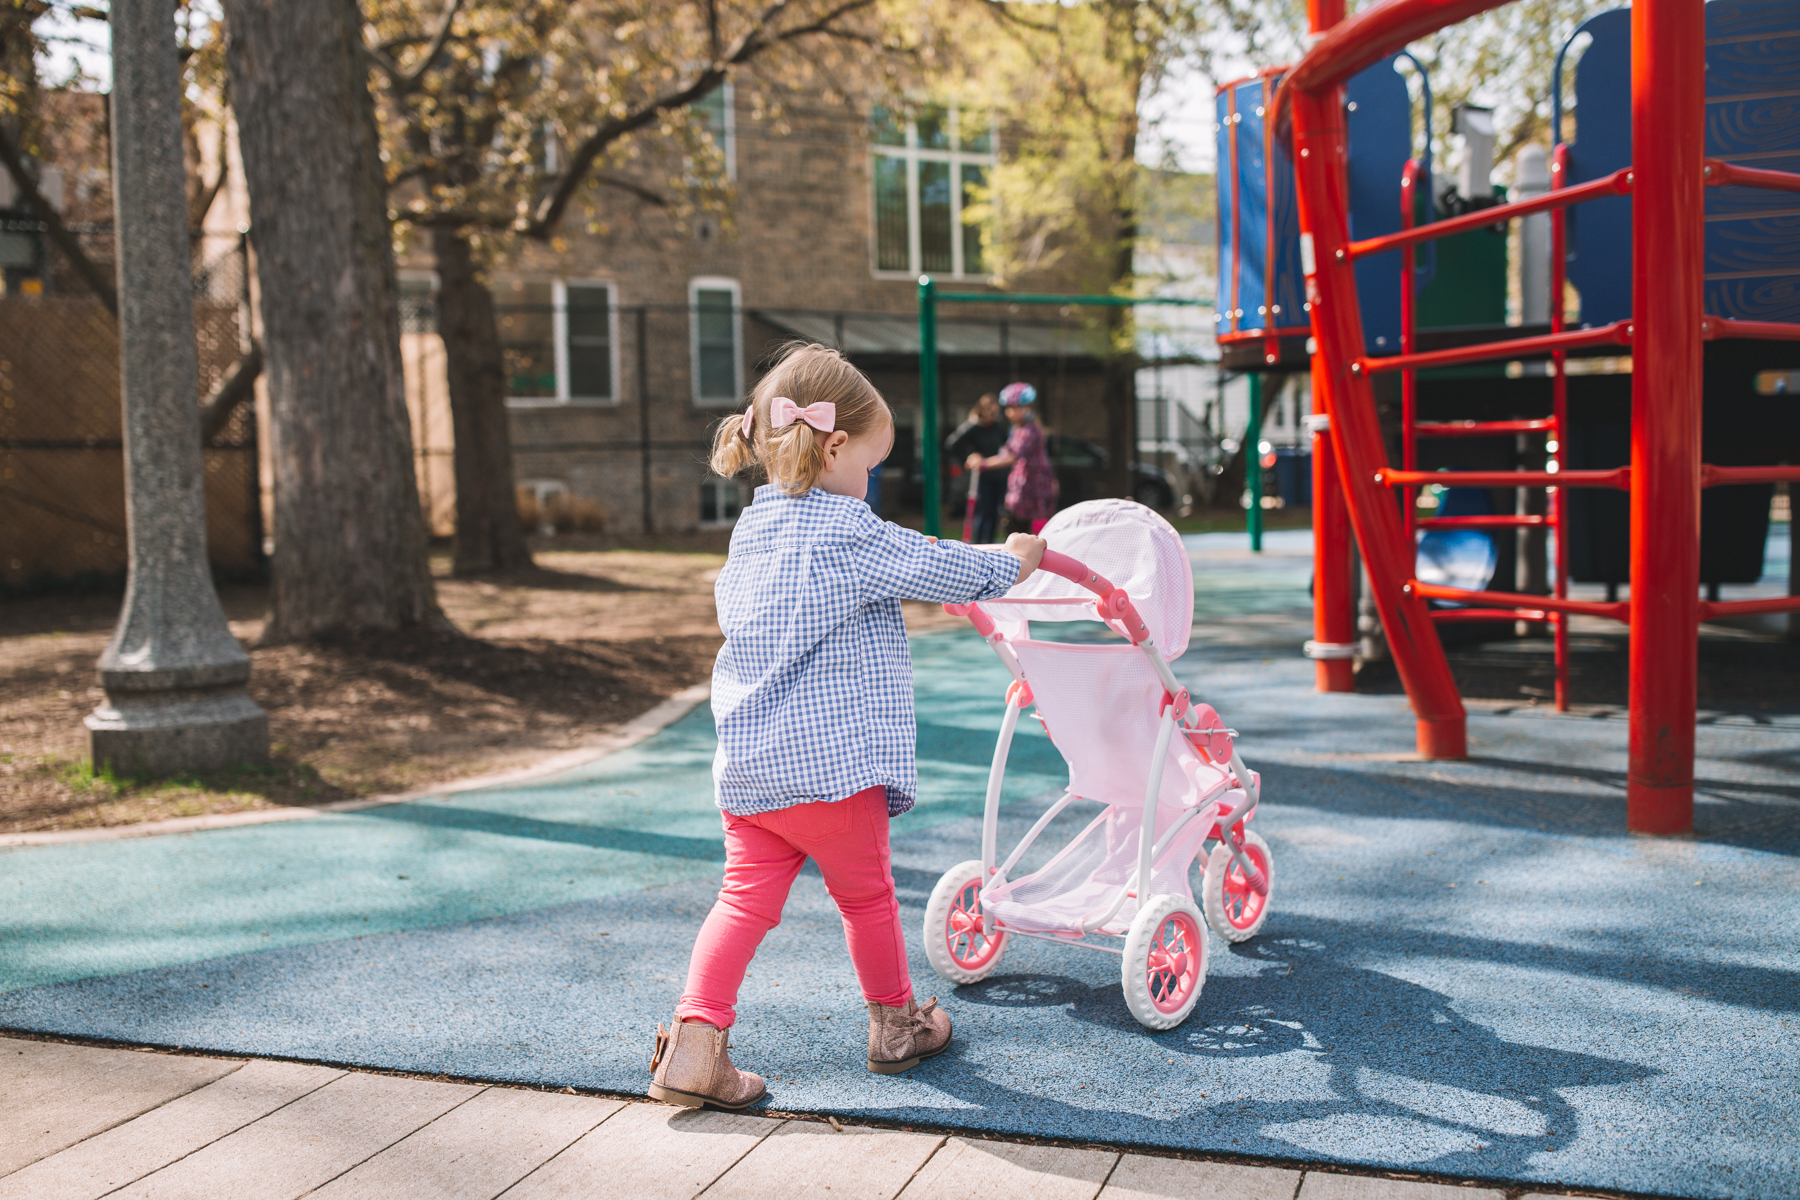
(1293,476)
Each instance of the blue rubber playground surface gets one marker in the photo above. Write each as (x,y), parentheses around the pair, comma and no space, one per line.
(1470,969)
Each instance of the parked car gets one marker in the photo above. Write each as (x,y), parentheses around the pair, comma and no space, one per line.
(1080,467)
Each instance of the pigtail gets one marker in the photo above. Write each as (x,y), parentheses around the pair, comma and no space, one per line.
(794,458)
(733,451)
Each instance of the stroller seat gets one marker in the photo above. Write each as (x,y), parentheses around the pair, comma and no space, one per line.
(1100,706)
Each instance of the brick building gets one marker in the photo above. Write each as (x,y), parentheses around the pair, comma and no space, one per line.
(626,347)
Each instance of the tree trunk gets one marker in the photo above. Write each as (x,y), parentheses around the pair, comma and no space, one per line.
(488,536)
(350,548)
(1120,386)
(1120,391)
(1121,326)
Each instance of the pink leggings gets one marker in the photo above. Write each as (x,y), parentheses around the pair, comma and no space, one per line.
(763,853)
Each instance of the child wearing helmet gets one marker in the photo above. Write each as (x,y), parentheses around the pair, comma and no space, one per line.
(1030,483)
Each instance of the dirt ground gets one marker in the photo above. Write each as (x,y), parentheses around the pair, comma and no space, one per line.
(545,660)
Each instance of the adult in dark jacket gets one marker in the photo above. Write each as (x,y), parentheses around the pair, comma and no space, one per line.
(982,436)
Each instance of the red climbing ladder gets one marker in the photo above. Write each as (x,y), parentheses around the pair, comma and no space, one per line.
(1664,337)
(1412,429)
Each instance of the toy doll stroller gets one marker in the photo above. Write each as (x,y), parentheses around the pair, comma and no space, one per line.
(1114,711)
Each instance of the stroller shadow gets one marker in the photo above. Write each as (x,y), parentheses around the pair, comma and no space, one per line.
(1409,1079)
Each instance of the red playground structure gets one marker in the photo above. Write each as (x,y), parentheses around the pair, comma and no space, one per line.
(1666,333)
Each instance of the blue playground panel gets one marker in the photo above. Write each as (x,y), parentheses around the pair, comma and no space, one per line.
(1752,118)
(1468,967)
(1259,218)
(1259,211)
(1380,127)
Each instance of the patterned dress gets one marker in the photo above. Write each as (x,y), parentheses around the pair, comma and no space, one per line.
(1031,485)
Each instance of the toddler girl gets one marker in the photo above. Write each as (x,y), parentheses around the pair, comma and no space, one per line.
(812,696)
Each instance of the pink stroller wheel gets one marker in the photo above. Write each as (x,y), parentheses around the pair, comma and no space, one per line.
(1234,909)
(1243,906)
(956,941)
(970,947)
(1173,964)
(1164,964)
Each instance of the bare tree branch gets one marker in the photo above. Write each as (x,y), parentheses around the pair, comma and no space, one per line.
(749,44)
(1002,12)
(96,279)
(236,388)
(386,65)
(459,218)
(435,46)
(822,25)
(551,209)
(647,195)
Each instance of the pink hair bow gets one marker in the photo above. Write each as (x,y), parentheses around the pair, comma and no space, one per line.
(783,412)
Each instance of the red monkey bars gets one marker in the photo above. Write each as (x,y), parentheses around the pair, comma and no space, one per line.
(1665,334)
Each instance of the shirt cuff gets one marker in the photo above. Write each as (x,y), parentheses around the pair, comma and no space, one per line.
(1003,573)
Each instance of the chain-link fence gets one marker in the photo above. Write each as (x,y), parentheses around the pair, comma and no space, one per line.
(62,469)
(617,405)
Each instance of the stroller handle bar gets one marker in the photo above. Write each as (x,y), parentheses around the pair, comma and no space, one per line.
(1113,604)
(1075,571)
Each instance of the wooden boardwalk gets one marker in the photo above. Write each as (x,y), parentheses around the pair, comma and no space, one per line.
(78,1122)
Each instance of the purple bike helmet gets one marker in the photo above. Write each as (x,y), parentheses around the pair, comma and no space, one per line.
(1017,395)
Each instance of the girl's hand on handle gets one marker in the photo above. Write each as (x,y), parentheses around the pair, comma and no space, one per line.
(1030,550)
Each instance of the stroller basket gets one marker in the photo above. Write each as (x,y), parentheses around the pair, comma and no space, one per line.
(1165,769)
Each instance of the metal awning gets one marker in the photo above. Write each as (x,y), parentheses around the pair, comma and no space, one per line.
(880,333)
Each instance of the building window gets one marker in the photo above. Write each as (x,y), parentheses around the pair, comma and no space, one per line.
(721,500)
(559,339)
(717,111)
(929,164)
(716,322)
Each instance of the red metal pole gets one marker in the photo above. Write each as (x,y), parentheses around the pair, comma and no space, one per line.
(1559,384)
(1334,585)
(1319,162)
(1334,582)
(1668,40)
(1409,392)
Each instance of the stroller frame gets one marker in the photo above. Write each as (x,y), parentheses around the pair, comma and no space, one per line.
(1198,723)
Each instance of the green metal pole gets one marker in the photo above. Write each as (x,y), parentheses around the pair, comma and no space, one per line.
(930,453)
(1253,520)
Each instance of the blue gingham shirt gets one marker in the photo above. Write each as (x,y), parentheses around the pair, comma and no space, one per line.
(812,692)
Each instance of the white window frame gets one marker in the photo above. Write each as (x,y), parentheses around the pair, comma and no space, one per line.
(716,283)
(720,485)
(559,337)
(729,149)
(914,154)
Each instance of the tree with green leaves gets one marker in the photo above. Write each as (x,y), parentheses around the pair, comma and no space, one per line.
(506,122)
(1071,82)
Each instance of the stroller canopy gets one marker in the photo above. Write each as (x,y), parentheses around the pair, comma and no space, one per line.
(1131,546)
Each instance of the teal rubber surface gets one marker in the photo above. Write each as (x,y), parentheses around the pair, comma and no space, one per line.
(1469,968)
(638,819)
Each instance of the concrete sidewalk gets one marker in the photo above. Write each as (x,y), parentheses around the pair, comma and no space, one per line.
(84,1122)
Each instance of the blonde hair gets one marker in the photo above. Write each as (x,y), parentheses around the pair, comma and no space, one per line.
(806,373)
